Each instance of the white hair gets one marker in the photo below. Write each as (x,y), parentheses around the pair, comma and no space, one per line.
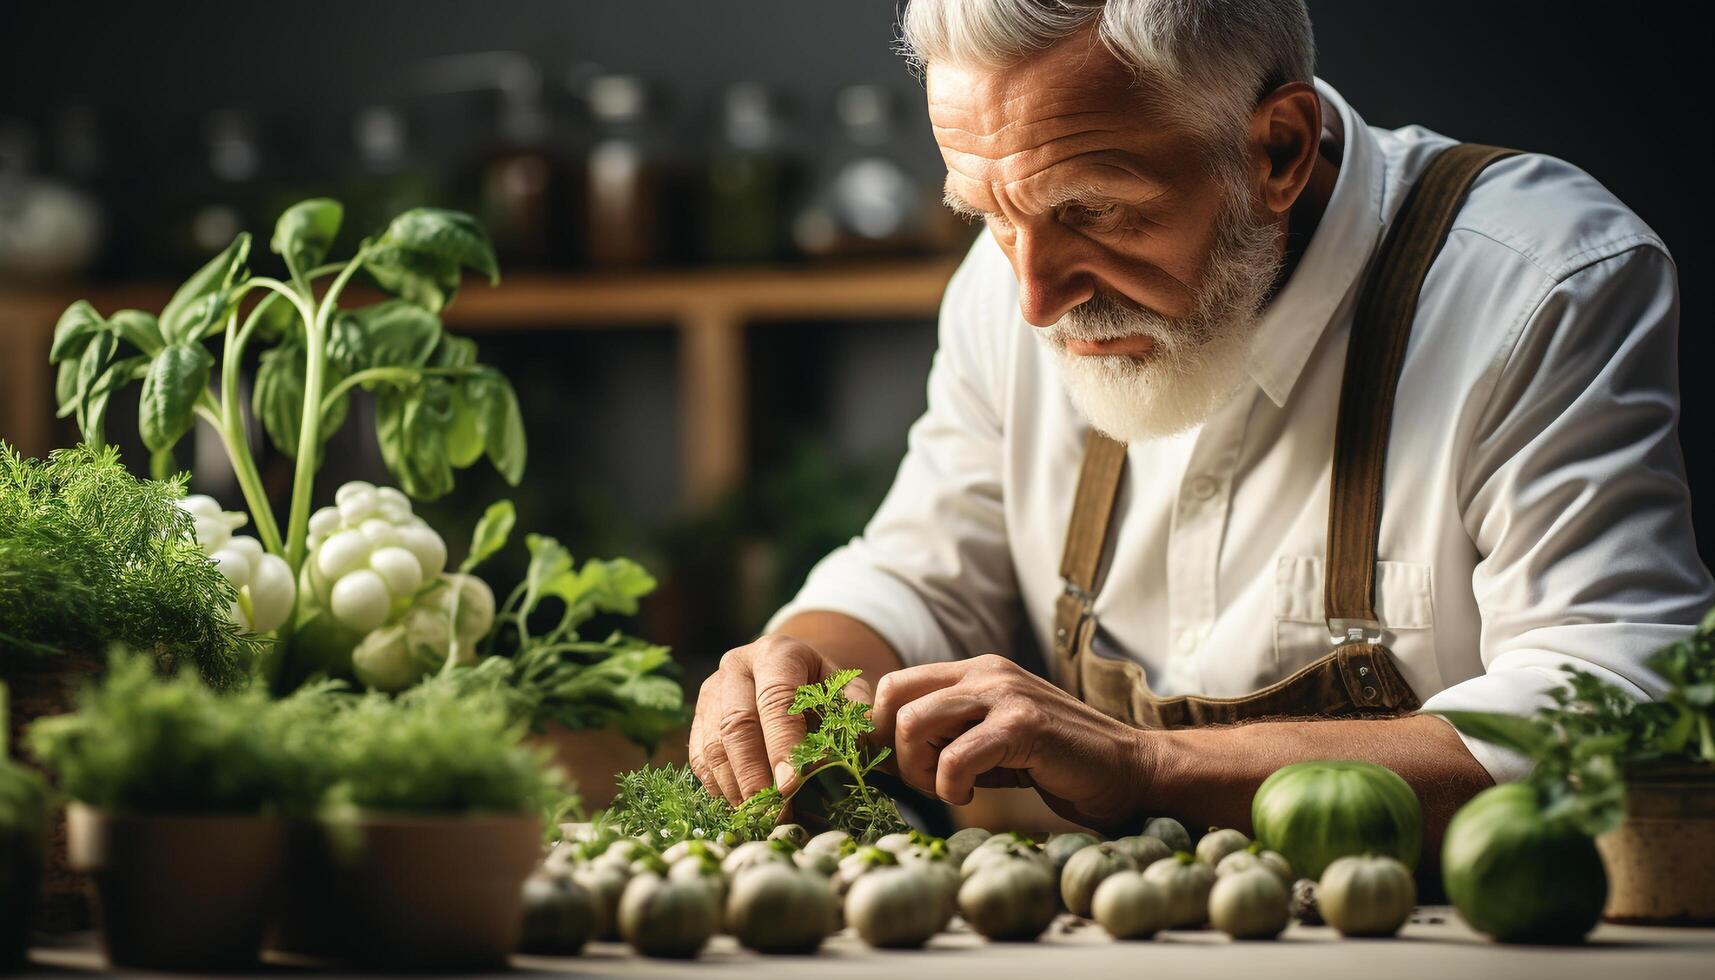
(1209,61)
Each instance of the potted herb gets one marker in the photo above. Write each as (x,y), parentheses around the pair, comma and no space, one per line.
(1638,776)
(23,818)
(174,791)
(430,824)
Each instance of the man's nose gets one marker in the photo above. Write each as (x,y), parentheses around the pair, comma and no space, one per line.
(1051,280)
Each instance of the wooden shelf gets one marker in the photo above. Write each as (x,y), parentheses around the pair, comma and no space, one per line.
(710,309)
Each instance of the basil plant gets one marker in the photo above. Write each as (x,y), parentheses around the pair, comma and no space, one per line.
(437,408)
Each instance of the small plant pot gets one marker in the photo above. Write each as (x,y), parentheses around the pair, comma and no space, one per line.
(594,757)
(408,892)
(178,892)
(1661,859)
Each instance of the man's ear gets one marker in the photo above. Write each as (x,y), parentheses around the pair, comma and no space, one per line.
(1285,131)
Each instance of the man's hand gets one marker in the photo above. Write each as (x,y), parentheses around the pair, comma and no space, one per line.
(989,722)
(742,733)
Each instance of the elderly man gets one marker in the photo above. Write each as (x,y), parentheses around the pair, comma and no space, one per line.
(1270,455)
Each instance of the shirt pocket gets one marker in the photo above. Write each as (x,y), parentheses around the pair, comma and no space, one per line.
(1404,604)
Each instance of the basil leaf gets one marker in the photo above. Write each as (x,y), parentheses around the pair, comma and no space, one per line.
(454,352)
(495,404)
(549,572)
(410,426)
(1516,732)
(306,231)
(392,334)
(415,277)
(278,398)
(176,378)
(77,326)
(65,387)
(92,410)
(490,534)
(464,436)
(451,236)
(162,465)
(191,309)
(140,330)
(96,356)
(279,319)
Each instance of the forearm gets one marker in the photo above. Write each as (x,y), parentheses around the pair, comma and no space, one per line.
(846,641)
(1206,776)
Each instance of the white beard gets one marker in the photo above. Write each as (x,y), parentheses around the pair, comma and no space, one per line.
(1198,360)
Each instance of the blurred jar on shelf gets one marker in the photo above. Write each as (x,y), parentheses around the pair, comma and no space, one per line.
(49,229)
(625,176)
(751,180)
(865,201)
(219,193)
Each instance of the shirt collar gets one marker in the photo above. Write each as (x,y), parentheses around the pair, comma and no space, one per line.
(1329,268)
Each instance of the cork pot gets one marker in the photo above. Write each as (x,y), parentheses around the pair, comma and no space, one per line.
(178,892)
(1661,859)
(403,892)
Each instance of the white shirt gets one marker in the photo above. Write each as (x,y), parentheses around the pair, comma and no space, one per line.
(1535,512)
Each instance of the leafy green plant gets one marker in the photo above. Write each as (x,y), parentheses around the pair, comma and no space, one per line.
(436,748)
(23,802)
(91,554)
(145,744)
(1582,745)
(556,674)
(437,408)
(669,804)
(836,744)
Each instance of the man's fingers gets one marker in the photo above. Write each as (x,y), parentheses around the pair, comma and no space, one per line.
(707,695)
(741,728)
(969,757)
(928,723)
(906,685)
(776,682)
(714,754)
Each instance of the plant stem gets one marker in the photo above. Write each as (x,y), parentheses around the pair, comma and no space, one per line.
(233,436)
(401,374)
(310,431)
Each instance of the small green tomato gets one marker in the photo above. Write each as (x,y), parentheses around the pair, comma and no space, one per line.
(1366,896)
(666,917)
(1187,883)
(1013,899)
(1249,904)
(1130,906)
(1217,844)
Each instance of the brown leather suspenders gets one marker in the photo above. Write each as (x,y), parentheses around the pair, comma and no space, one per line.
(1381,329)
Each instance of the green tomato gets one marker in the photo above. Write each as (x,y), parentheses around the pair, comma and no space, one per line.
(1186,882)
(963,842)
(1010,900)
(1518,877)
(1217,844)
(888,907)
(1249,904)
(560,915)
(778,908)
(1130,906)
(1366,896)
(1170,832)
(1315,812)
(667,917)
(1087,870)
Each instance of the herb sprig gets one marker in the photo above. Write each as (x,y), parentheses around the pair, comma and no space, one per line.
(670,804)
(1582,745)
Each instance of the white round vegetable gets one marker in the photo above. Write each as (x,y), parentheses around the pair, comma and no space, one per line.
(1248,858)
(1187,883)
(754,853)
(777,908)
(263,582)
(607,885)
(1366,896)
(1144,849)
(1170,832)
(369,555)
(560,915)
(1249,904)
(1012,899)
(829,841)
(1086,870)
(1217,844)
(394,657)
(1130,906)
(667,917)
(963,842)
(998,850)
(888,906)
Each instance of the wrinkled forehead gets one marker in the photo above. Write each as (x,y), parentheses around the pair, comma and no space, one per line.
(1071,102)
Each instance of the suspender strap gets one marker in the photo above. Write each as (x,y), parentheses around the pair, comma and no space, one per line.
(1381,328)
(1092,509)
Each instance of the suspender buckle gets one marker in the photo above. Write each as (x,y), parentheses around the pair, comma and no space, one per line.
(1085,599)
(1342,631)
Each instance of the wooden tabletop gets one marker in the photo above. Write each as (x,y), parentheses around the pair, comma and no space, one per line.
(1435,945)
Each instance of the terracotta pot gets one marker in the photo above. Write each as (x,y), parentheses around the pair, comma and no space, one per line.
(408,892)
(1661,859)
(592,757)
(178,892)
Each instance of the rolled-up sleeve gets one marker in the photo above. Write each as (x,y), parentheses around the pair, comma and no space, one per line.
(932,572)
(1574,493)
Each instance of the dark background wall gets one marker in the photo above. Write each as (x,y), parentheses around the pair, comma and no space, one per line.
(1607,86)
